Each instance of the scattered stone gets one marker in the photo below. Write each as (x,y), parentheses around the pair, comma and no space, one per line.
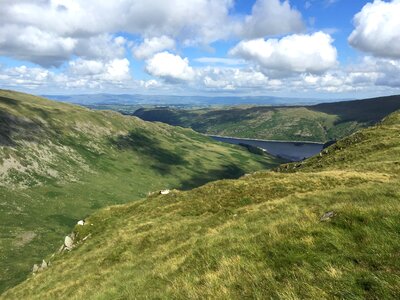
(44,265)
(86,237)
(81,222)
(35,268)
(61,249)
(68,242)
(165,192)
(327,216)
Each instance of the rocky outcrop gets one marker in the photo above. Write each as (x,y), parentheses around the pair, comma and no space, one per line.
(327,216)
(165,192)
(36,268)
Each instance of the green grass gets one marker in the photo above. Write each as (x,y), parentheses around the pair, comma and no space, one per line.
(60,163)
(258,237)
(318,123)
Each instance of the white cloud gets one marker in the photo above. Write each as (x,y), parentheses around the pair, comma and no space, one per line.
(33,44)
(150,46)
(214,78)
(113,70)
(103,47)
(117,70)
(86,67)
(170,67)
(50,32)
(271,17)
(377,29)
(370,76)
(148,84)
(220,61)
(48,49)
(295,53)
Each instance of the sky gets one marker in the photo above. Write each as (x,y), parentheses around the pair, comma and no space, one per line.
(318,48)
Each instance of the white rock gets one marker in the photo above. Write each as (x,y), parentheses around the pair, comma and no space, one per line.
(35,268)
(44,264)
(81,222)
(68,242)
(165,192)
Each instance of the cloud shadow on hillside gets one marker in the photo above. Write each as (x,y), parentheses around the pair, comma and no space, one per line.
(151,148)
(228,171)
(13,128)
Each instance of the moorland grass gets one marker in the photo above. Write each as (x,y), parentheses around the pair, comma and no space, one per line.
(60,163)
(258,237)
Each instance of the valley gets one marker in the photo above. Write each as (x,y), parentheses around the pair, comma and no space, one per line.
(199,149)
(323,228)
(61,162)
(318,123)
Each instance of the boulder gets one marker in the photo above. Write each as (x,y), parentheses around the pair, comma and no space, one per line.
(165,192)
(327,216)
(35,268)
(44,265)
(68,242)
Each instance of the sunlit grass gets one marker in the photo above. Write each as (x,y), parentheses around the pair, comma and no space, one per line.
(67,162)
(259,237)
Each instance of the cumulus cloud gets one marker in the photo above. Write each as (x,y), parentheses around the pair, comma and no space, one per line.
(295,53)
(271,17)
(50,32)
(220,61)
(150,46)
(113,70)
(229,79)
(170,67)
(47,49)
(35,45)
(377,29)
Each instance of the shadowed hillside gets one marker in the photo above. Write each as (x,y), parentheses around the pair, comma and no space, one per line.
(319,123)
(60,162)
(324,228)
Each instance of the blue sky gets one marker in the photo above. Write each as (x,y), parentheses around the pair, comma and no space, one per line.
(315,48)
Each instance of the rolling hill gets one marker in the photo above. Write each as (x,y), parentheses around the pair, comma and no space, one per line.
(324,228)
(318,123)
(60,162)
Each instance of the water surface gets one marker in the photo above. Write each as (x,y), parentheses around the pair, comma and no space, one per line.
(293,151)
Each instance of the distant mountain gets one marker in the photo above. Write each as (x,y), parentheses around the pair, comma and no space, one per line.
(124,99)
(60,162)
(324,228)
(319,123)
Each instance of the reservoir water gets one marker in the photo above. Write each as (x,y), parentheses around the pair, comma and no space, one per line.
(293,151)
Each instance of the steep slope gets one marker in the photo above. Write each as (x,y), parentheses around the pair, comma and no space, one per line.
(60,162)
(321,229)
(319,123)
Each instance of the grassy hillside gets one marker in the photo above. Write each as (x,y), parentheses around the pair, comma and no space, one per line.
(59,163)
(319,123)
(261,236)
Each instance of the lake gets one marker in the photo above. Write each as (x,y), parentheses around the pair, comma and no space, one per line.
(293,151)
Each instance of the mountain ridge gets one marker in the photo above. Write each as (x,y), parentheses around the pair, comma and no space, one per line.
(319,123)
